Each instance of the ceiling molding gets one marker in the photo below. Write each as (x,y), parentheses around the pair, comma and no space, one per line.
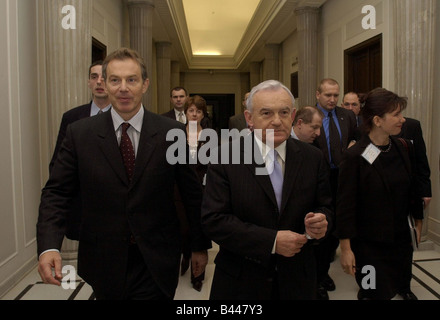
(272,23)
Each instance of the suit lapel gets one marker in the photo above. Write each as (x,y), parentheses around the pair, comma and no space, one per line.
(343,126)
(257,166)
(146,146)
(294,158)
(321,143)
(108,145)
(87,110)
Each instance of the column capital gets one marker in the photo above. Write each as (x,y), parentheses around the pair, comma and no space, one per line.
(303,10)
(149,3)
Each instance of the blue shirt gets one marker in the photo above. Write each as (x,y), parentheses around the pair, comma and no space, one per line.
(326,126)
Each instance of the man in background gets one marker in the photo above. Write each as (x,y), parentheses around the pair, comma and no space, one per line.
(178,99)
(238,121)
(338,130)
(351,102)
(307,124)
(100,103)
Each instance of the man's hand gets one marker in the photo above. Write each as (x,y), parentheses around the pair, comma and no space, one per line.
(347,258)
(199,260)
(316,225)
(289,243)
(48,261)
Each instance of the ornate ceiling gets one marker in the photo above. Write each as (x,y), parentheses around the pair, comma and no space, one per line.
(237,30)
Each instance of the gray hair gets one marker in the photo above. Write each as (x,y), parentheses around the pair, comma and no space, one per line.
(267,85)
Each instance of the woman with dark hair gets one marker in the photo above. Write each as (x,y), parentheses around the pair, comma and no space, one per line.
(195,110)
(376,199)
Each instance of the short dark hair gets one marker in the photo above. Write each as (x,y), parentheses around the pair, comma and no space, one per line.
(123,54)
(378,102)
(352,92)
(330,81)
(178,89)
(96,63)
(306,114)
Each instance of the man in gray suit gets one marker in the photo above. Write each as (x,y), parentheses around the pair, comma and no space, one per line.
(265,225)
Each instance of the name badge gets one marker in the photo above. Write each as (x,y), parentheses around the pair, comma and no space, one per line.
(371,153)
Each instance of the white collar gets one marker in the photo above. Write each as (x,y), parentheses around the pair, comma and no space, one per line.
(135,121)
(293,134)
(95,109)
(265,149)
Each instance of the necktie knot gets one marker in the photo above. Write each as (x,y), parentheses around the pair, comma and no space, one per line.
(125,127)
(181,117)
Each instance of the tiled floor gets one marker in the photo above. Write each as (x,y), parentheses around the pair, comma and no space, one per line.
(425,283)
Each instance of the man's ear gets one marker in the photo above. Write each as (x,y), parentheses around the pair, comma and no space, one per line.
(145,85)
(248,117)
(293,114)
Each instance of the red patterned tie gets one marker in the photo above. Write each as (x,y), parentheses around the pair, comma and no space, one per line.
(127,151)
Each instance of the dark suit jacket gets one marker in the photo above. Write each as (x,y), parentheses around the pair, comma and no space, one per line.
(240,213)
(238,122)
(113,209)
(364,204)
(170,114)
(69,117)
(412,130)
(347,123)
(74,215)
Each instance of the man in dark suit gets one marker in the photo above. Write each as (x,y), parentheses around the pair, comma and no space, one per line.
(264,223)
(238,121)
(351,102)
(307,124)
(129,246)
(100,103)
(178,99)
(412,130)
(327,97)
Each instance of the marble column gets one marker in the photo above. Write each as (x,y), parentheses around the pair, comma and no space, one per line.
(175,76)
(68,57)
(271,68)
(163,62)
(414,26)
(254,74)
(141,36)
(307,26)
